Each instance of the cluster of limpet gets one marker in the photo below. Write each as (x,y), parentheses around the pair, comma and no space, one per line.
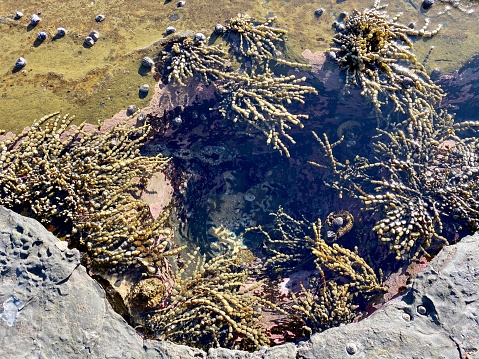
(376,52)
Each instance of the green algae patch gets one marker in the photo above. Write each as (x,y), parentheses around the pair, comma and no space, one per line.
(95,83)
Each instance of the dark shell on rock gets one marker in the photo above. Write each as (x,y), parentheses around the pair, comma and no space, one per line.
(35,19)
(42,36)
(21,62)
(426,4)
(143,91)
(89,41)
(147,62)
(170,30)
(131,110)
(220,29)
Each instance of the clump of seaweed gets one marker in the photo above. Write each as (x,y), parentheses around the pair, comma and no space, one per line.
(214,305)
(421,173)
(345,280)
(375,51)
(254,40)
(81,184)
(258,99)
(186,56)
(341,281)
(285,244)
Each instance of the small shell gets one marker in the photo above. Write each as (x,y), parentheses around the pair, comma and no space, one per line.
(318,12)
(100,18)
(170,30)
(220,29)
(351,348)
(143,91)
(421,310)
(89,41)
(131,110)
(95,35)
(249,197)
(35,19)
(20,63)
(147,62)
(61,31)
(200,36)
(42,36)
(177,121)
(426,4)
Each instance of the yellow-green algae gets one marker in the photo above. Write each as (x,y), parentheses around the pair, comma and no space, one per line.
(95,83)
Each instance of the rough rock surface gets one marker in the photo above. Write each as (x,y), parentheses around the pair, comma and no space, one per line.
(53,309)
